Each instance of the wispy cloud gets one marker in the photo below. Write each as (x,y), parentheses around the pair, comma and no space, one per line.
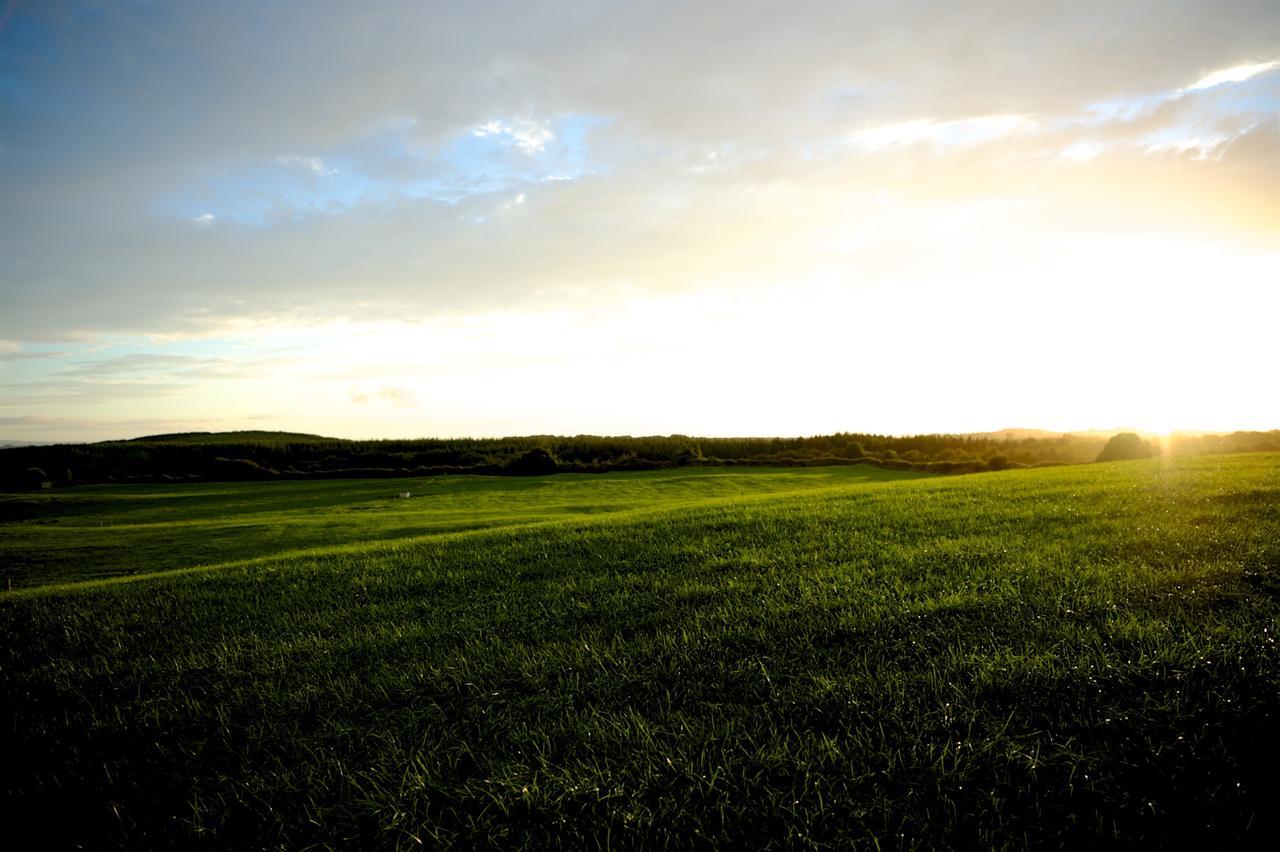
(314,165)
(528,135)
(1235,74)
(43,427)
(1203,144)
(400,397)
(11,350)
(159,365)
(66,390)
(955,133)
(138,375)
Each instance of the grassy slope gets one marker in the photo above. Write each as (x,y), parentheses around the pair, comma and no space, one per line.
(1030,657)
(93,531)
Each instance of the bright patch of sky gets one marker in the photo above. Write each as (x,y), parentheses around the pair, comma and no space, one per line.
(1083,151)
(497,367)
(493,156)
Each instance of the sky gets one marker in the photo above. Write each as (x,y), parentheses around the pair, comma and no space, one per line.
(429,219)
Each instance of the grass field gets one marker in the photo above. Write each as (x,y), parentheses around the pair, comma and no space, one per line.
(97,531)
(814,658)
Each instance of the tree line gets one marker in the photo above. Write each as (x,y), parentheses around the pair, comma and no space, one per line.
(223,456)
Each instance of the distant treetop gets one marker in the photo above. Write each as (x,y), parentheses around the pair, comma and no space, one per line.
(1126,445)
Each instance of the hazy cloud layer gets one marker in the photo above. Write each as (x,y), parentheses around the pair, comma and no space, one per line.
(721,122)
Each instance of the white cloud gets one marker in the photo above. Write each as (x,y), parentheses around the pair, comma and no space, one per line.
(1203,145)
(401,397)
(1082,151)
(961,132)
(315,165)
(204,220)
(489,128)
(1235,74)
(517,201)
(526,134)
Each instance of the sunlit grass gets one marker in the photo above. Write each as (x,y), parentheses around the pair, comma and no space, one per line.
(88,532)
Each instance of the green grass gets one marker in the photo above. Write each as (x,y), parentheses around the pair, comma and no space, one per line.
(96,531)
(1082,655)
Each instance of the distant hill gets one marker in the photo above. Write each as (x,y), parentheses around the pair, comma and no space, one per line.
(227,438)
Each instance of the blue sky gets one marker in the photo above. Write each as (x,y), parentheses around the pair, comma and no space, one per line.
(493,157)
(386,218)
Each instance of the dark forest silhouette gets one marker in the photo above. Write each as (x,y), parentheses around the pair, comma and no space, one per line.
(283,455)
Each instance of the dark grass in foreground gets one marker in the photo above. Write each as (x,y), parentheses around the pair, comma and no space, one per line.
(1030,658)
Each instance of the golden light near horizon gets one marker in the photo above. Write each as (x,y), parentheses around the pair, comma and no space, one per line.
(779,233)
